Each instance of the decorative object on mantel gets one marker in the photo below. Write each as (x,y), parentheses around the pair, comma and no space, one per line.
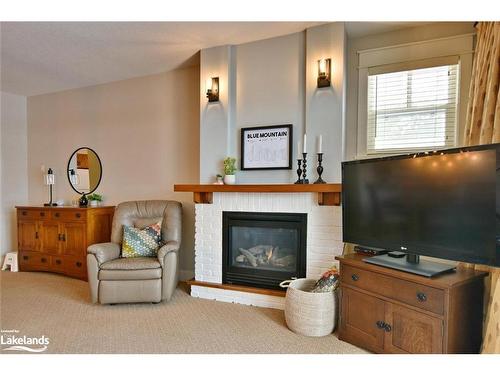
(219,180)
(328,194)
(319,168)
(50,180)
(84,173)
(299,171)
(229,170)
(302,161)
(267,147)
(306,312)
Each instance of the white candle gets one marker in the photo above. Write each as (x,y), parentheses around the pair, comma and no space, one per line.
(305,144)
(319,145)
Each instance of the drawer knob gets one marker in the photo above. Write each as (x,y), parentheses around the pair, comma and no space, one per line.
(42,213)
(25,257)
(421,297)
(78,264)
(24,213)
(354,277)
(44,260)
(57,214)
(58,261)
(78,215)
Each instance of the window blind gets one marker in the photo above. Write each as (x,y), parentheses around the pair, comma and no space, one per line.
(412,109)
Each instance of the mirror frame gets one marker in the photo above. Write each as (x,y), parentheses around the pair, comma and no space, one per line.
(100,174)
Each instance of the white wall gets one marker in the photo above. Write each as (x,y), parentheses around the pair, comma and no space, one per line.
(145,130)
(14,175)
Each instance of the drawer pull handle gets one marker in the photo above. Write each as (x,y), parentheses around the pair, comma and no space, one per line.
(421,297)
(380,324)
(25,257)
(36,235)
(354,277)
(387,327)
(63,236)
(58,261)
(59,237)
(78,215)
(78,264)
(42,213)
(57,214)
(24,213)
(44,260)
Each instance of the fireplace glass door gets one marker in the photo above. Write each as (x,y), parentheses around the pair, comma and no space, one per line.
(263,249)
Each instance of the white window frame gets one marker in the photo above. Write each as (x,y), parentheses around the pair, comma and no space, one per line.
(460,46)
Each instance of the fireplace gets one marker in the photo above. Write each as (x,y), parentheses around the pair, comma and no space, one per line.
(261,249)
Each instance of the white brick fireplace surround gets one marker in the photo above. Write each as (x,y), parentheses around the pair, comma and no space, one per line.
(324,239)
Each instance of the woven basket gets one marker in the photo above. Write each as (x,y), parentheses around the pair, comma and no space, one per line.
(306,313)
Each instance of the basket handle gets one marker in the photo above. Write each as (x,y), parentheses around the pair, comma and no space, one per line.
(285,284)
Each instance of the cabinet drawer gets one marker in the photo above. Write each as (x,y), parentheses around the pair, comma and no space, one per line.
(33,261)
(65,215)
(32,214)
(73,266)
(424,297)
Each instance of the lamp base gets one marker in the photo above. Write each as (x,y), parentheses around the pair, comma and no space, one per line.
(83,202)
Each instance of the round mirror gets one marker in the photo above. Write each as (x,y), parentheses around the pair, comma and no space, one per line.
(84,171)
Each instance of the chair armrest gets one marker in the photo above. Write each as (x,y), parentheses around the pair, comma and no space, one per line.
(167,248)
(104,251)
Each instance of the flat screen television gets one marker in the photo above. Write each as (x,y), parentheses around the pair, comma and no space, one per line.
(443,204)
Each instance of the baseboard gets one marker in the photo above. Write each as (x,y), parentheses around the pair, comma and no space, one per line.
(186,275)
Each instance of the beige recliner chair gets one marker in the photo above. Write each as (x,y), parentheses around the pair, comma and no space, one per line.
(144,279)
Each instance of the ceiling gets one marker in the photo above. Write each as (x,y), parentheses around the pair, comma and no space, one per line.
(44,57)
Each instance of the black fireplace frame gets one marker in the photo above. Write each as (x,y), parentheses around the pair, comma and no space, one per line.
(265,278)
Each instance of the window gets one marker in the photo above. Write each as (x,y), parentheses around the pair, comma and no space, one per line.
(412,109)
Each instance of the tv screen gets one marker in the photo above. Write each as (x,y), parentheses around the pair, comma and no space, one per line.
(441,204)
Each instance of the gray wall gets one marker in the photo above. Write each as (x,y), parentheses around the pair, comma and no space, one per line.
(273,82)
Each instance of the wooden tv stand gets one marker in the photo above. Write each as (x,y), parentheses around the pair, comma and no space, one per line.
(389,311)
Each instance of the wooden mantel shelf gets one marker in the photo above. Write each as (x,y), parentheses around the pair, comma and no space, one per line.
(328,194)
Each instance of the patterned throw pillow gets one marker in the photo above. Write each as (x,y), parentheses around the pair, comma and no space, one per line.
(328,281)
(141,242)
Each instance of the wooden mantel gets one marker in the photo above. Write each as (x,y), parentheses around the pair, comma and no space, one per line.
(328,194)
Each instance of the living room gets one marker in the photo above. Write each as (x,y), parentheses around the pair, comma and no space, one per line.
(250,187)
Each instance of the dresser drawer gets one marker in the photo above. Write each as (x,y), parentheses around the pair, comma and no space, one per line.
(68,215)
(69,265)
(418,295)
(32,214)
(34,261)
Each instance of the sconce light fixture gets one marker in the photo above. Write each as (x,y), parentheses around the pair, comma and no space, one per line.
(50,180)
(213,89)
(324,72)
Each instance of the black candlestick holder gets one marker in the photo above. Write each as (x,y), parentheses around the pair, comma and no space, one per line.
(319,169)
(299,171)
(304,168)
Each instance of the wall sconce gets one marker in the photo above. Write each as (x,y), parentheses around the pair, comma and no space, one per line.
(213,89)
(50,180)
(324,72)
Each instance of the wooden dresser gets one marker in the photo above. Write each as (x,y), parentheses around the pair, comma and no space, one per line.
(390,311)
(55,239)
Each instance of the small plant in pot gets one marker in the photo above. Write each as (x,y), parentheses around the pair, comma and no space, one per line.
(94,199)
(229,170)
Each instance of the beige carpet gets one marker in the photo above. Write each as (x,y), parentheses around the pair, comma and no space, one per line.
(58,307)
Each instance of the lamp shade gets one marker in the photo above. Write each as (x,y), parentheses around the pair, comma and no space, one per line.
(50,178)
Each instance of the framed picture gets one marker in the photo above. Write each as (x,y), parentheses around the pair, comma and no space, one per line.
(266,147)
